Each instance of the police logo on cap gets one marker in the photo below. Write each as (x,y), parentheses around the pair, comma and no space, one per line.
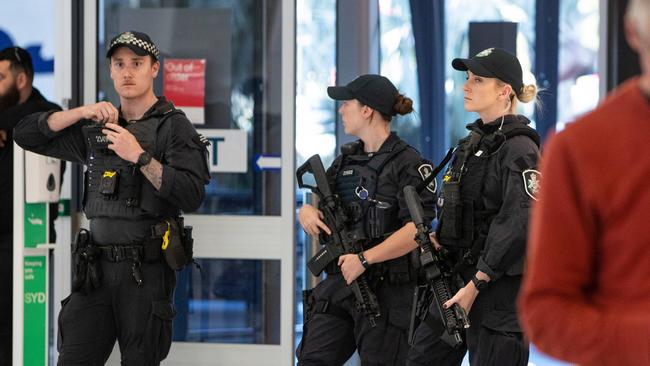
(485,52)
(532,182)
(425,171)
(126,37)
(138,42)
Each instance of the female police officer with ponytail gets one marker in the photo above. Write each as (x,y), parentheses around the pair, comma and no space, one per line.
(368,177)
(483,212)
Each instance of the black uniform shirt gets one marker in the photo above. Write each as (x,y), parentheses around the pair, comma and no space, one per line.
(401,170)
(9,118)
(504,192)
(183,159)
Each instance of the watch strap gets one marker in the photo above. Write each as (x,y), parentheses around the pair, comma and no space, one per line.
(363,261)
(479,284)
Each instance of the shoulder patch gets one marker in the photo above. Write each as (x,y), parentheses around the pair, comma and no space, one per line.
(532,181)
(201,140)
(425,170)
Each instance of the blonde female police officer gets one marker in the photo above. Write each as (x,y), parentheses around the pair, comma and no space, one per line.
(159,159)
(370,172)
(483,206)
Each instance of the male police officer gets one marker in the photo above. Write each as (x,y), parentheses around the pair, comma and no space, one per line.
(145,163)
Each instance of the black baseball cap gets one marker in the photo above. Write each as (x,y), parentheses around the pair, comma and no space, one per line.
(494,63)
(373,90)
(18,56)
(138,42)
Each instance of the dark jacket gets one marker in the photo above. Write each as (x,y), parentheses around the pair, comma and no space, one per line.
(9,118)
(504,196)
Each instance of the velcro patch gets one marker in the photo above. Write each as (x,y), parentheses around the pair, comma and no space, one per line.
(425,171)
(532,182)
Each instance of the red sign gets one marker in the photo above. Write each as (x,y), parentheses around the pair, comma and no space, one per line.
(184,85)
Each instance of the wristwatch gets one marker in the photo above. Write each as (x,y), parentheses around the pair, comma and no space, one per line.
(143,159)
(479,284)
(363,260)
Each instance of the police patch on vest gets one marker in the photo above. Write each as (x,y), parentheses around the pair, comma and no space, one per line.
(425,171)
(532,182)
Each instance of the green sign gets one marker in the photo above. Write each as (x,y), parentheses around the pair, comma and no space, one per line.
(64,207)
(34,321)
(35,224)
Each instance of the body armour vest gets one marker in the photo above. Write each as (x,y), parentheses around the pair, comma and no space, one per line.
(357,178)
(464,220)
(114,187)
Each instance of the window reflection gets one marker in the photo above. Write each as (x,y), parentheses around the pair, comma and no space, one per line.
(578,81)
(228,301)
(315,111)
(398,63)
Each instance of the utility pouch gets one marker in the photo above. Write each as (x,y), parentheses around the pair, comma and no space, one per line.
(172,243)
(380,217)
(108,184)
(308,305)
(452,218)
(188,242)
(87,270)
(79,264)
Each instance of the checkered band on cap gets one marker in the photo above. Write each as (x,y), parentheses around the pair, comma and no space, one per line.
(132,39)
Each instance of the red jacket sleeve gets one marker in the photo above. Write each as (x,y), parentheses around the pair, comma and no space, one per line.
(555,306)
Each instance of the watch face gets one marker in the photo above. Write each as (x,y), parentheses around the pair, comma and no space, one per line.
(479,284)
(144,158)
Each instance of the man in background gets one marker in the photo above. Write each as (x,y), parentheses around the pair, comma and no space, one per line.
(586,295)
(18,98)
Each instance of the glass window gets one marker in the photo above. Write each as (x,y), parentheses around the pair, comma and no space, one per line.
(458,15)
(315,111)
(239,108)
(398,63)
(228,301)
(315,71)
(578,81)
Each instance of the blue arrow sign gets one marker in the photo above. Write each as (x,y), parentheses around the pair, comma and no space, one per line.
(268,162)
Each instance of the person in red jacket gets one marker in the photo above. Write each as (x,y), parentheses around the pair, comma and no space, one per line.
(586,293)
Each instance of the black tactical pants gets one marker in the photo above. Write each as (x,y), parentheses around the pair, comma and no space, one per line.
(335,329)
(140,318)
(494,337)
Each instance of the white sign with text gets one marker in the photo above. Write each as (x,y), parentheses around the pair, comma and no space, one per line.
(228,150)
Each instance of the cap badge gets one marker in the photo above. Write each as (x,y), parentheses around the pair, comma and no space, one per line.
(126,37)
(485,52)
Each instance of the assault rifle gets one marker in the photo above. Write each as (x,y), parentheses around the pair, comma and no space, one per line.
(439,275)
(341,241)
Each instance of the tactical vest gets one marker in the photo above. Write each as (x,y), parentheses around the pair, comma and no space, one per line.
(115,188)
(357,178)
(464,219)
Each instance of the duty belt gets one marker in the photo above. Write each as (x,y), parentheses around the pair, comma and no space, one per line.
(149,251)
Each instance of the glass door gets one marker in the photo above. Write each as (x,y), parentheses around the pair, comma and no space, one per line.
(230,66)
